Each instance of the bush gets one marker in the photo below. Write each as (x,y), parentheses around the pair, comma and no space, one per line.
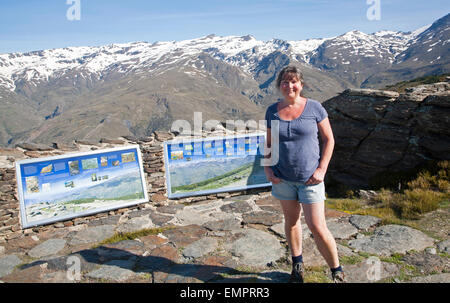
(427,175)
(410,204)
(415,202)
(423,181)
(423,190)
(443,186)
(384,197)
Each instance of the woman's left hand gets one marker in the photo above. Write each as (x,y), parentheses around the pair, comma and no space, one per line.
(317,177)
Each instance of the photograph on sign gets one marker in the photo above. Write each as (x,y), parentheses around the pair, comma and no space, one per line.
(212,165)
(63,187)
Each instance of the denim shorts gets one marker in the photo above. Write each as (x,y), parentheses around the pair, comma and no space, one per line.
(288,190)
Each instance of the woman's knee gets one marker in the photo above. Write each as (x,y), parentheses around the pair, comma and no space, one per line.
(292,223)
(319,230)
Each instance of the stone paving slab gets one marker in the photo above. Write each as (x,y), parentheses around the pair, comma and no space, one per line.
(342,229)
(270,276)
(278,229)
(237,207)
(185,235)
(200,248)
(93,234)
(7,264)
(47,248)
(311,255)
(189,216)
(135,224)
(116,270)
(88,261)
(257,248)
(364,222)
(222,225)
(267,218)
(31,274)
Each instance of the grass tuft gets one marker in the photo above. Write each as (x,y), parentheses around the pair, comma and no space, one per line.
(317,274)
(117,237)
(350,260)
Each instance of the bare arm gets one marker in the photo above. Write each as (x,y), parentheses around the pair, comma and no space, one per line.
(326,134)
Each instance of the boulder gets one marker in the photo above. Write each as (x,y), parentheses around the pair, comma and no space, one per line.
(381,131)
(390,239)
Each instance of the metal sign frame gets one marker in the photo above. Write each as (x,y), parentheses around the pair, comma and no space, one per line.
(63,187)
(194,155)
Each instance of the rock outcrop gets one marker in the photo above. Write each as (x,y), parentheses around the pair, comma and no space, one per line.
(378,131)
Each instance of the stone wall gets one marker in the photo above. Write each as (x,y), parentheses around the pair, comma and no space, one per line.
(153,163)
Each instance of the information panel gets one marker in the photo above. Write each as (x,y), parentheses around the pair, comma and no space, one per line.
(212,165)
(63,187)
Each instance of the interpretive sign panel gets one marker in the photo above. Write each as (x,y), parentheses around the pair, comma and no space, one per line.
(63,187)
(212,165)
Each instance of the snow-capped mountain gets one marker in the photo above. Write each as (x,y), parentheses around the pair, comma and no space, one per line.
(426,53)
(244,52)
(138,87)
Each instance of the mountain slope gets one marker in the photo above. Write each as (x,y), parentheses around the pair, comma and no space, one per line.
(136,88)
(426,54)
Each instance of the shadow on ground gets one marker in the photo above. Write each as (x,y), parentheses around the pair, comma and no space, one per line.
(117,264)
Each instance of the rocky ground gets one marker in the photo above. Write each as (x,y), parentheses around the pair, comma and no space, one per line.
(235,239)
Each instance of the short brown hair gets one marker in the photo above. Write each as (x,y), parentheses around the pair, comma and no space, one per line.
(289,70)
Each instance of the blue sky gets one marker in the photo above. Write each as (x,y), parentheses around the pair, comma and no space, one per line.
(27,25)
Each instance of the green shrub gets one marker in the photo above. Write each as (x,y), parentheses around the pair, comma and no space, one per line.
(444,186)
(415,202)
(426,174)
(423,181)
(423,189)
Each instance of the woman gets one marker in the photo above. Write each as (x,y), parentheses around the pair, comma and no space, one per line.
(297,177)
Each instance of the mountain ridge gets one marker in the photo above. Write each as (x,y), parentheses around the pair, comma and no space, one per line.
(138,87)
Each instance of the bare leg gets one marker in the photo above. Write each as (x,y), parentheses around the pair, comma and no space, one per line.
(315,219)
(292,226)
